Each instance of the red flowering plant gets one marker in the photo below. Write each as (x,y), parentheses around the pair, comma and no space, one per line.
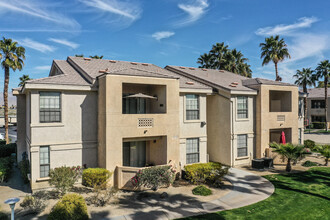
(63,178)
(154,177)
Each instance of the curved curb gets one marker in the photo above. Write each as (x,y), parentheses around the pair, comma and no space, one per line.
(248,189)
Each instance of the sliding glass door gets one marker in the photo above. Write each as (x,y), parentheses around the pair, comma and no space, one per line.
(134,154)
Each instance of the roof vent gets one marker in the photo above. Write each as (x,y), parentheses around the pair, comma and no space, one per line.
(191,68)
(190,83)
(104,71)
(112,61)
(204,69)
(133,63)
(87,58)
(234,83)
(221,71)
(145,64)
(181,67)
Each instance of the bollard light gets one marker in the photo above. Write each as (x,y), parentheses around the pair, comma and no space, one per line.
(11,202)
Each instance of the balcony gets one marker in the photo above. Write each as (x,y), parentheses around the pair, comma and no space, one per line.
(143,99)
(280,101)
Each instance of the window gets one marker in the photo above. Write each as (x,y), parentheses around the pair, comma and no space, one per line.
(299,135)
(242,145)
(300,108)
(242,107)
(318,103)
(192,107)
(134,154)
(44,161)
(50,107)
(192,150)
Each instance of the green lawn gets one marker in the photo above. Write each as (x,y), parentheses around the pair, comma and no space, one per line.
(297,196)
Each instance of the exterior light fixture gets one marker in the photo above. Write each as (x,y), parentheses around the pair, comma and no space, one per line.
(11,202)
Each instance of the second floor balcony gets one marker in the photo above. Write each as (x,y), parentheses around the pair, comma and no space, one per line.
(280,101)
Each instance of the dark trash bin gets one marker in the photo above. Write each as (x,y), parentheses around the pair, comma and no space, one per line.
(268,162)
(258,164)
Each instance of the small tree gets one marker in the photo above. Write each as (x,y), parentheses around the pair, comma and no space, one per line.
(325,151)
(63,178)
(292,153)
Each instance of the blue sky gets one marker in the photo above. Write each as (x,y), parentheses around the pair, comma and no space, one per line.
(164,32)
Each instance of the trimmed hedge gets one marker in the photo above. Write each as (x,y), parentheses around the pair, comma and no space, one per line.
(205,173)
(7,149)
(309,144)
(201,190)
(5,168)
(95,176)
(71,207)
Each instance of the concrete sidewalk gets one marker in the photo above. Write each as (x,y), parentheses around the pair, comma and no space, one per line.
(248,188)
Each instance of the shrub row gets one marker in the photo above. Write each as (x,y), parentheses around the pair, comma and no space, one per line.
(205,173)
(7,150)
(5,168)
(93,177)
(154,177)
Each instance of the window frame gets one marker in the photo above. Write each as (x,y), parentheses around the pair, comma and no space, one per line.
(193,153)
(300,135)
(318,104)
(245,147)
(44,164)
(246,109)
(49,110)
(190,110)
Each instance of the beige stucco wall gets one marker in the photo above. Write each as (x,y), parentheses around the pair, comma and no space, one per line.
(193,129)
(266,120)
(73,141)
(219,137)
(118,126)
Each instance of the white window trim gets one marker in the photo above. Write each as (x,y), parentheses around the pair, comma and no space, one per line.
(185,109)
(236,109)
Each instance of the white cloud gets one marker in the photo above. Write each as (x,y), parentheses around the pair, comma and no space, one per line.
(282,29)
(162,34)
(195,10)
(42,68)
(125,9)
(27,42)
(64,42)
(37,9)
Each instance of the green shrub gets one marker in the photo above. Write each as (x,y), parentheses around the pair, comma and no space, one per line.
(33,204)
(7,150)
(95,176)
(309,144)
(201,190)
(309,163)
(206,173)
(154,177)
(5,168)
(2,142)
(24,167)
(71,207)
(325,151)
(63,178)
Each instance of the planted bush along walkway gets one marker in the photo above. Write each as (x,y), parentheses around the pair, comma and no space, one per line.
(247,189)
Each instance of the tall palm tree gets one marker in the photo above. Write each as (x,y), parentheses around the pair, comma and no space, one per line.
(274,49)
(13,57)
(79,55)
(219,51)
(206,60)
(23,80)
(305,77)
(323,71)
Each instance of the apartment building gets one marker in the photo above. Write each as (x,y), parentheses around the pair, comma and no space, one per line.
(124,116)
(316,106)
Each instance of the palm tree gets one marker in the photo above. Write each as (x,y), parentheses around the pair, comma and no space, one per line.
(23,80)
(96,57)
(323,71)
(274,49)
(305,78)
(219,51)
(325,151)
(79,55)
(292,153)
(206,60)
(13,57)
